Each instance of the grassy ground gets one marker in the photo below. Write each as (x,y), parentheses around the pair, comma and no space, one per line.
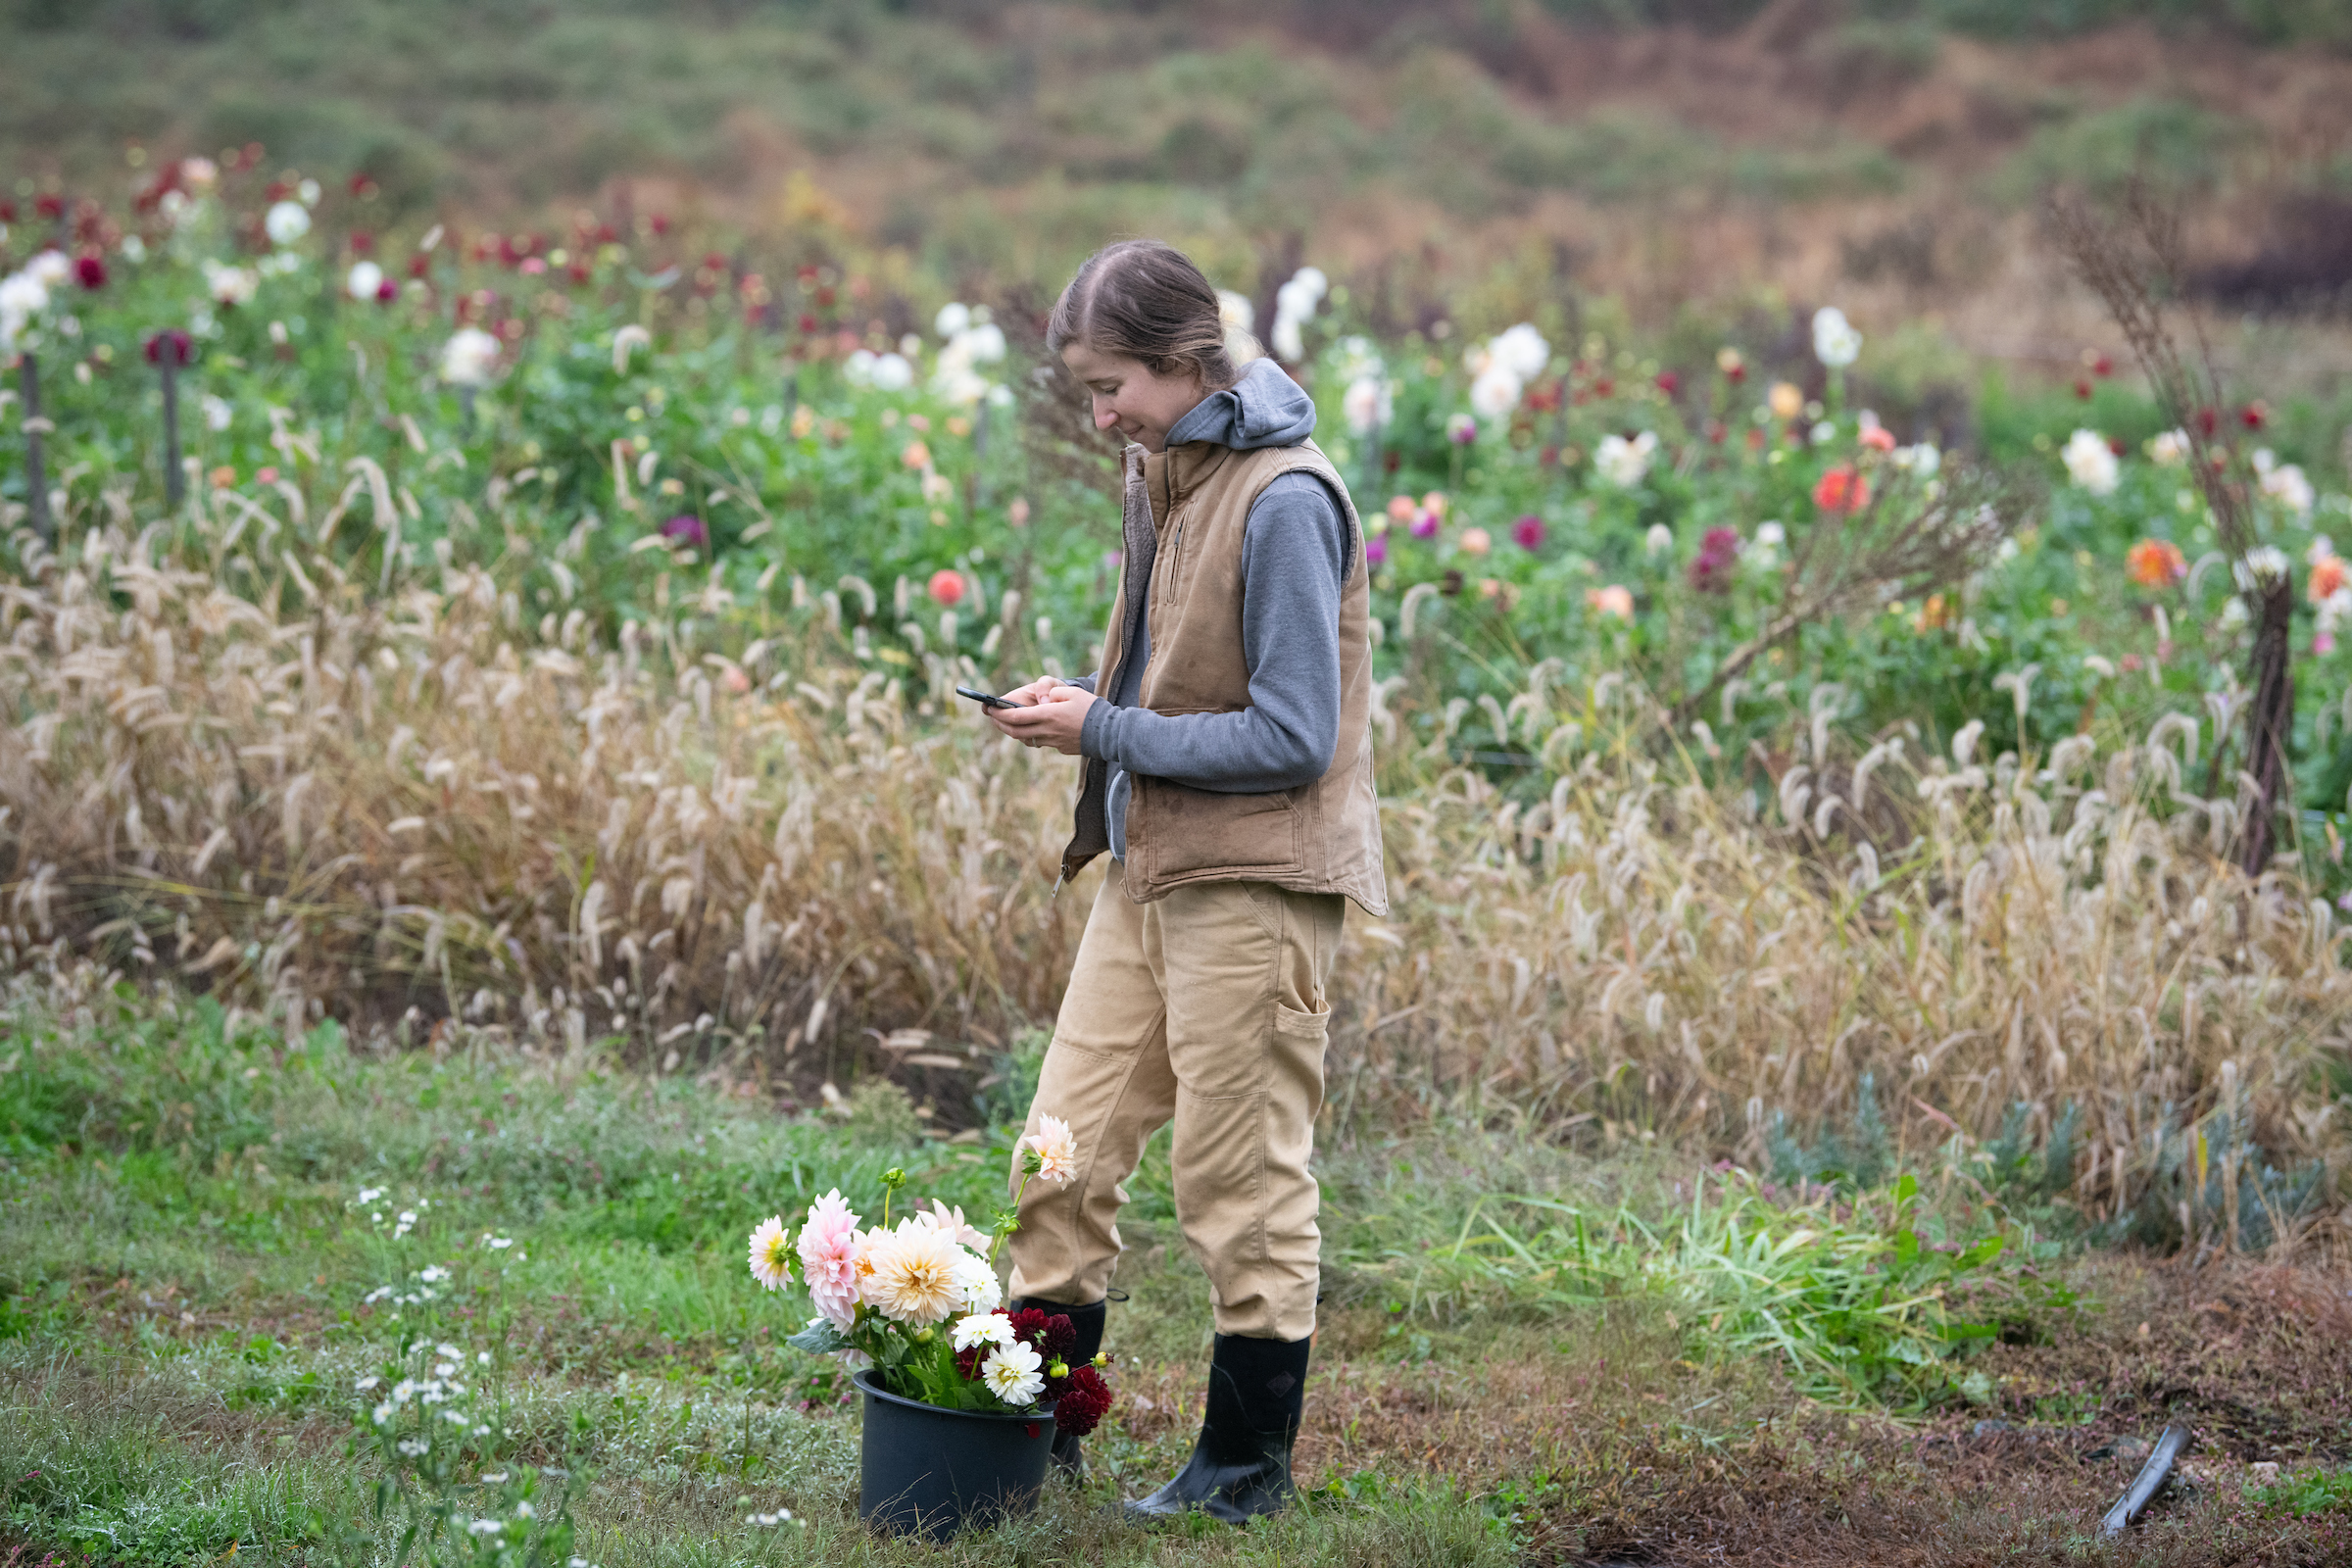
(189,1260)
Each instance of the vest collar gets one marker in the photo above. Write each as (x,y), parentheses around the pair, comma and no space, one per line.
(1171,474)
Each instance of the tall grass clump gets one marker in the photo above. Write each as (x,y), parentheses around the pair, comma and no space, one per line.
(726,834)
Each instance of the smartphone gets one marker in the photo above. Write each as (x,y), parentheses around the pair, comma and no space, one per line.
(983,699)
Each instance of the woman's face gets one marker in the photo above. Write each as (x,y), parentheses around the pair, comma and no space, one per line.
(1132,397)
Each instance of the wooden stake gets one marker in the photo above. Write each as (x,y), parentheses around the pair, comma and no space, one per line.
(37,481)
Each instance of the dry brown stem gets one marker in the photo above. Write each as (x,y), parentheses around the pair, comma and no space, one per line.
(724,836)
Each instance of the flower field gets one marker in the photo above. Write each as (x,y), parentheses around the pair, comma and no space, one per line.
(481,738)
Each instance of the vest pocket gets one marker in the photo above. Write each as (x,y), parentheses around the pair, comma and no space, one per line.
(1197,835)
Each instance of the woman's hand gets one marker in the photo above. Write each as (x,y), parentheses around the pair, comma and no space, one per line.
(1054,715)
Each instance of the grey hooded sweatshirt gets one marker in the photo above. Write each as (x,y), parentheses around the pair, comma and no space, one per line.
(1295,561)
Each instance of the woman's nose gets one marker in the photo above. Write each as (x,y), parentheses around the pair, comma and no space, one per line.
(1105,417)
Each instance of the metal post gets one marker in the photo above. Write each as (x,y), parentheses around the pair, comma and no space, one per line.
(175,483)
(979,494)
(37,481)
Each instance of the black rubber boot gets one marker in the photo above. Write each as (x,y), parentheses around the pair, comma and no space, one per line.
(1241,1464)
(1088,1322)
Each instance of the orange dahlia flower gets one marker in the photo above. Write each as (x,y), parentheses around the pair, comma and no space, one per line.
(2155,564)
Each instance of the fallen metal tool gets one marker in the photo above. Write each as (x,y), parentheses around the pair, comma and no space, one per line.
(2146,1485)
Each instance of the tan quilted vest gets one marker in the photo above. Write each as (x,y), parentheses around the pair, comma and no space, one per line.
(1322,837)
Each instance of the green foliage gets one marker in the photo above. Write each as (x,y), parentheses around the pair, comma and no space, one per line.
(2211,1183)
(812,495)
(451,1489)
(2314,1491)
(2169,143)
(1863,1301)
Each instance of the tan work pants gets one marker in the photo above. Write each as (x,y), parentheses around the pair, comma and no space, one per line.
(1206,1006)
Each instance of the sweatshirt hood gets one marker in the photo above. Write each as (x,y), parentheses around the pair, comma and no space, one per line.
(1265,407)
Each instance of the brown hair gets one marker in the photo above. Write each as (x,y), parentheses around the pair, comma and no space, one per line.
(1145,300)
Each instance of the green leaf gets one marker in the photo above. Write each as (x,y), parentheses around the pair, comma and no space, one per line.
(820,1337)
(1977,1257)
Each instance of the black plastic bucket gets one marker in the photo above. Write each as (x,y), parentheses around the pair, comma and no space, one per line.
(925,1471)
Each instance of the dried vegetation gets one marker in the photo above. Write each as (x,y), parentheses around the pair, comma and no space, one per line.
(722,837)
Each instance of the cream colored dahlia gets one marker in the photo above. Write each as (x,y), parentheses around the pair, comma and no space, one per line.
(772,1258)
(916,1274)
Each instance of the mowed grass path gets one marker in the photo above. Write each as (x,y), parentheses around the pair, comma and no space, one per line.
(189,1268)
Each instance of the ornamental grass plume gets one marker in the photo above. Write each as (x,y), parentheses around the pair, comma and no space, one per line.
(418,781)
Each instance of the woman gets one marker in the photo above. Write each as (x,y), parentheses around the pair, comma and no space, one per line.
(1228,774)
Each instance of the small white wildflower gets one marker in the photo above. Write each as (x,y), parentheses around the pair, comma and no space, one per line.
(524,1510)
(367,1382)
(492,1477)
(384,1413)
(368,1195)
(1496,392)
(1659,539)
(469,356)
(1835,342)
(2263,563)
(2090,463)
(1623,462)
(485,1526)
(413,1446)
(286,223)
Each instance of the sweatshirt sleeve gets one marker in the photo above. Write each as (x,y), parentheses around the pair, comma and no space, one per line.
(1295,561)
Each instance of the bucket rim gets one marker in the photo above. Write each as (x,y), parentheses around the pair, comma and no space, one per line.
(867,1384)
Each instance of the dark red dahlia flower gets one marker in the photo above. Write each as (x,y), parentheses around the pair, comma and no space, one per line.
(1082,1406)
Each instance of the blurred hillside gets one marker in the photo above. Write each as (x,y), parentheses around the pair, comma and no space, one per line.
(1662,151)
